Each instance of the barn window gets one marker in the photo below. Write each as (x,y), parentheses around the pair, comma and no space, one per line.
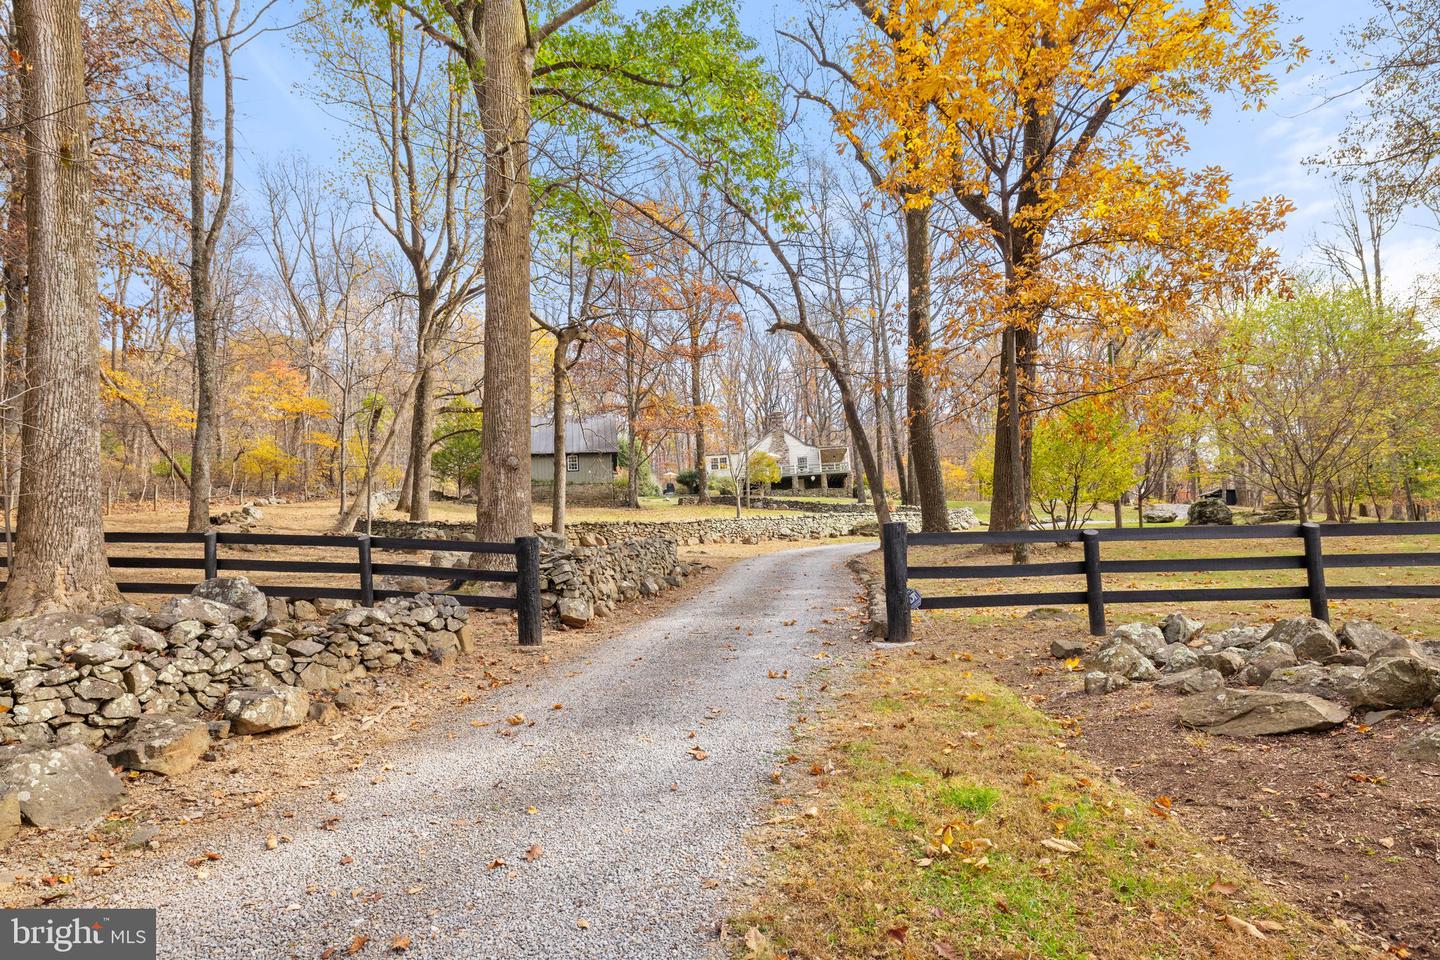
(572,463)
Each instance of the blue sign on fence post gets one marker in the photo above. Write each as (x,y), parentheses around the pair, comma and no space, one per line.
(912,598)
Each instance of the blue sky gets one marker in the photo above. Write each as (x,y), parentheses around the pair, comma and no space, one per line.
(1266,151)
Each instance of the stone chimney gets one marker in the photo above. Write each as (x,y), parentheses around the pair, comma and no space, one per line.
(774,422)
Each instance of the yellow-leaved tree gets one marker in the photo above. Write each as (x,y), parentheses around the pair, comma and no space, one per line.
(1056,128)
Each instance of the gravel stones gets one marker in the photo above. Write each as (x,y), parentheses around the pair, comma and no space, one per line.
(1251,713)
(65,786)
(264,710)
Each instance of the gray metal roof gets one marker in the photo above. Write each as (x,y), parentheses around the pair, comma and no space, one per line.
(585,435)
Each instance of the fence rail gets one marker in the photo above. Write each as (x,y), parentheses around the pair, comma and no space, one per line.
(901,599)
(525,577)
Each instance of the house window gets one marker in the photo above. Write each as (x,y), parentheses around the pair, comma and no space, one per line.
(719,463)
(802,464)
(572,463)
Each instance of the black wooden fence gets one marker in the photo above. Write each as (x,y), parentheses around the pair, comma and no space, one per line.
(901,598)
(526,575)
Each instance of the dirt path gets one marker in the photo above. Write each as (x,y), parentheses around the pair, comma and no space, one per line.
(592,827)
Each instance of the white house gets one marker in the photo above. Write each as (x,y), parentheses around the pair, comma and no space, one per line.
(803,466)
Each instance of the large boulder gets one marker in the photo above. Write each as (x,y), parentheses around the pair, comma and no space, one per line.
(168,745)
(1122,659)
(1178,628)
(1399,682)
(1227,662)
(1177,658)
(1145,637)
(67,786)
(9,815)
(1161,513)
(1253,713)
(1311,639)
(13,658)
(1327,682)
(262,709)
(1209,511)
(239,593)
(1369,638)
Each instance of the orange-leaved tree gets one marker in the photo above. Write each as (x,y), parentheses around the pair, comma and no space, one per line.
(1057,130)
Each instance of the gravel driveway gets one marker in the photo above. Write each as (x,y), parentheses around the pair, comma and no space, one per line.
(638,840)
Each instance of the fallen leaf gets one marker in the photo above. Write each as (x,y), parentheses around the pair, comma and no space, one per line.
(583,924)
(535,852)
(1060,844)
(698,754)
(1243,926)
(357,944)
(515,719)
(400,944)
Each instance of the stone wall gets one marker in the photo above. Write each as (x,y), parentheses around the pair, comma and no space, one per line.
(85,679)
(582,582)
(747,529)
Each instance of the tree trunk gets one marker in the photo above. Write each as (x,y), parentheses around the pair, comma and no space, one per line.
(203,446)
(422,429)
(60,545)
(919,405)
(1010,496)
(504,512)
(557,421)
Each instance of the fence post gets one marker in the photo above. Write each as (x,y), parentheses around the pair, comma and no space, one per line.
(1094,588)
(1315,571)
(897,602)
(367,573)
(527,589)
(212,557)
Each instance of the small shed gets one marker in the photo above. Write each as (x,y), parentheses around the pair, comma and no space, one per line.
(592,451)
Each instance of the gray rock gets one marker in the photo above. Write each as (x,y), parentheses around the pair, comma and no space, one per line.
(13,658)
(167,745)
(1119,657)
(304,647)
(95,652)
(320,676)
(1251,713)
(62,787)
(1400,682)
(1368,638)
(1176,658)
(1424,747)
(1052,613)
(575,611)
(1265,660)
(305,610)
(185,632)
(1311,639)
(1178,628)
(1209,511)
(1194,680)
(209,612)
(1161,513)
(92,688)
(239,594)
(1228,661)
(1099,682)
(1144,637)
(123,707)
(1240,635)
(1326,682)
(1064,648)
(260,710)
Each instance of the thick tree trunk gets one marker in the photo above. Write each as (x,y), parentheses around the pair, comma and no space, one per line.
(919,403)
(503,513)
(60,549)
(422,429)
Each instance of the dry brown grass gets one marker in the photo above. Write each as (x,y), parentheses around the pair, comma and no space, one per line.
(1048,857)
